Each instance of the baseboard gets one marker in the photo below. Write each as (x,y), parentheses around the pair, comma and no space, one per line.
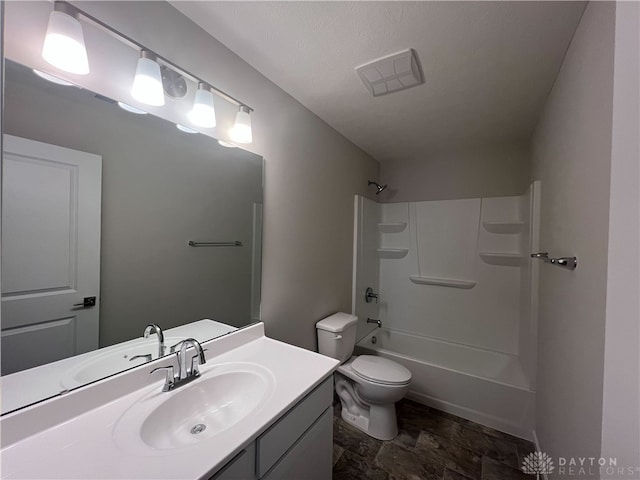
(473,415)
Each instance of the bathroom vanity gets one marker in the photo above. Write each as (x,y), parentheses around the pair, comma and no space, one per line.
(260,409)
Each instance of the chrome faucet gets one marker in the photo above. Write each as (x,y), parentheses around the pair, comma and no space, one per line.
(187,371)
(376,321)
(190,370)
(155,328)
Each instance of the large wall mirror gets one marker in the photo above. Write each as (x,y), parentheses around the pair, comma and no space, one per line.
(101,202)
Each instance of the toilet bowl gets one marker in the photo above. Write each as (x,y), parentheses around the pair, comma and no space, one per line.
(368,386)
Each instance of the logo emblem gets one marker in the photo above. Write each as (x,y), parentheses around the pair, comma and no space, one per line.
(536,463)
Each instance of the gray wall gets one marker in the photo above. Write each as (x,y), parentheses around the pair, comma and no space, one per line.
(621,399)
(485,171)
(161,188)
(311,172)
(572,158)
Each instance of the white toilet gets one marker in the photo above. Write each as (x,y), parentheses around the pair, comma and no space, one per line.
(368,386)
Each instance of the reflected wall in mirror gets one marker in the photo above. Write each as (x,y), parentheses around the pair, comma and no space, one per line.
(100,202)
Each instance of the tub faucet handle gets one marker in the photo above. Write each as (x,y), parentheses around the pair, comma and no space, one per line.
(370,295)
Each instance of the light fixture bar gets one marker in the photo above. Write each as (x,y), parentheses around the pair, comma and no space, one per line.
(161,60)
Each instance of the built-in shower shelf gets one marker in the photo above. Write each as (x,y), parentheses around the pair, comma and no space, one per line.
(443,282)
(392,227)
(503,259)
(392,252)
(503,227)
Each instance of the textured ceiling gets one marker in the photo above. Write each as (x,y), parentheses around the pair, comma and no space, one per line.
(488,66)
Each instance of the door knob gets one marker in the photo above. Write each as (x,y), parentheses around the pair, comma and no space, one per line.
(87,302)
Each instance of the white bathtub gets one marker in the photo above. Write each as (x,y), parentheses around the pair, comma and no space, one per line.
(483,386)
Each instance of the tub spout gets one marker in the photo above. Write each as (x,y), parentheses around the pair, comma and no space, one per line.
(376,321)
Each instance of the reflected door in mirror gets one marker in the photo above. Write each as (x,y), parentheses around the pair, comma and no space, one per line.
(51,252)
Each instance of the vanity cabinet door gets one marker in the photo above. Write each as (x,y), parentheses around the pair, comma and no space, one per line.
(240,467)
(310,458)
(299,446)
(276,441)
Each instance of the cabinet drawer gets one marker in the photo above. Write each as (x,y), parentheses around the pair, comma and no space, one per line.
(272,444)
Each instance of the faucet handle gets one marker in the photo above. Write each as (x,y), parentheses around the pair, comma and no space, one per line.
(147,356)
(370,295)
(195,361)
(170,379)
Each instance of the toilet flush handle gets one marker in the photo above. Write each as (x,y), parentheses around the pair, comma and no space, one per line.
(338,337)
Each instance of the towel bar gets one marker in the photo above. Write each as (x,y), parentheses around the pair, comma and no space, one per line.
(567,262)
(215,244)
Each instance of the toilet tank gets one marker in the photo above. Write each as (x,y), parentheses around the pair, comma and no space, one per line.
(337,335)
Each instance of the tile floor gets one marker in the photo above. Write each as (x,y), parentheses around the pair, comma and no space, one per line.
(431,445)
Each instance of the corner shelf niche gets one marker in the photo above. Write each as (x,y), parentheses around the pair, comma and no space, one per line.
(502,259)
(443,282)
(392,227)
(392,252)
(503,227)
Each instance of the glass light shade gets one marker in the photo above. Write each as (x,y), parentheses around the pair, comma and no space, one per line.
(203,113)
(53,78)
(226,144)
(64,44)
(131,108)
(147,84)
(241,131)
(184,129)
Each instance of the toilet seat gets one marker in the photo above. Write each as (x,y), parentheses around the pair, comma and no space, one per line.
(380,370)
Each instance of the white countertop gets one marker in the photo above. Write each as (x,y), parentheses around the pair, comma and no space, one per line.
(83,446)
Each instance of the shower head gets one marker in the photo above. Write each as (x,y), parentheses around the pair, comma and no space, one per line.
(379,187)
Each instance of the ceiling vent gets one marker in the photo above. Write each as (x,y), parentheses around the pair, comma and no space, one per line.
(392,73)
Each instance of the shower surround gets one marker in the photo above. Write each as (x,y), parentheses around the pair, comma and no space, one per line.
(457,300)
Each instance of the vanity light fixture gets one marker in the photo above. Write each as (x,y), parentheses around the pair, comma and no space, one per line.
(64,42)
(131,108)
(155,75)
(226,144)
(241,131)
(203,113)
(184,129)
(54,79)
(147,84)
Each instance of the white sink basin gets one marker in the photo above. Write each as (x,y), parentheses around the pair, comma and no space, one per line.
(112,360)
(223,396)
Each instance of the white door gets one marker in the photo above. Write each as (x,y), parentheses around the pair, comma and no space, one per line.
(50,252)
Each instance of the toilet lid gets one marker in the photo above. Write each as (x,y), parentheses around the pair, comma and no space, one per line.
(380,370)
